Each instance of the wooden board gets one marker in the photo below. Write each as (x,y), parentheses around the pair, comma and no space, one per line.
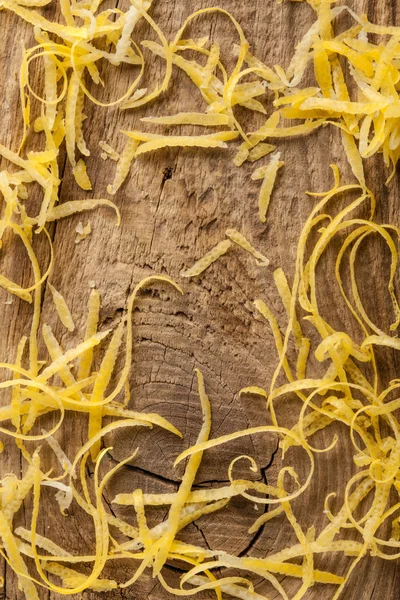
(175,206)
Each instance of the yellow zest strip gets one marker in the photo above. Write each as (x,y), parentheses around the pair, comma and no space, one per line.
(268,185)
(100,386)
(207,260)
(203,119)
(241,241)
(207,495)
(123,165)
(56,352)
(24,487)
(70,355)
(187,481)
(73,579)
(213,140)
(42,542)
(72,207)
(62,309)
(85,363)
(81,176)
(260,151)
(11,548)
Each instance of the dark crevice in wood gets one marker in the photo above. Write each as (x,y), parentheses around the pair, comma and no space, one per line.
(89,472)
(209,482)
(269,465)
(167,174)
(142,471)
(373,590)
(204,537)
(199,529)
(176,482)
(118,2)
(253,541)
(109,504)
(152,590)
(109,321)
(175,569)
(259,533)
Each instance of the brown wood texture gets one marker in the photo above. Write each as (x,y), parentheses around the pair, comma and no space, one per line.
(175,206)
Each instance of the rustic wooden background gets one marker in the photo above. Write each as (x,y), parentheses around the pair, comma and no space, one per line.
(175,206)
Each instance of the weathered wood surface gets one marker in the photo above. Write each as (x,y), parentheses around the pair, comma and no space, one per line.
(175,206)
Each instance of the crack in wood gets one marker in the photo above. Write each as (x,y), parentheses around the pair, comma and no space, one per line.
(109,504)
(145,472)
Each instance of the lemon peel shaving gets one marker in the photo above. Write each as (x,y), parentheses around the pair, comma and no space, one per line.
(62,308)
(207,260)
(123,165)
(268,184)
(203,119)
(156,142)
(239,239)
(82,232)
(109,151)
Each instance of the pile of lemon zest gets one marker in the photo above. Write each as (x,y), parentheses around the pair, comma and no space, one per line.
(368,124)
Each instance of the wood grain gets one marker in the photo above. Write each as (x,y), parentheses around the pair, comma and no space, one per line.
(175,206)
